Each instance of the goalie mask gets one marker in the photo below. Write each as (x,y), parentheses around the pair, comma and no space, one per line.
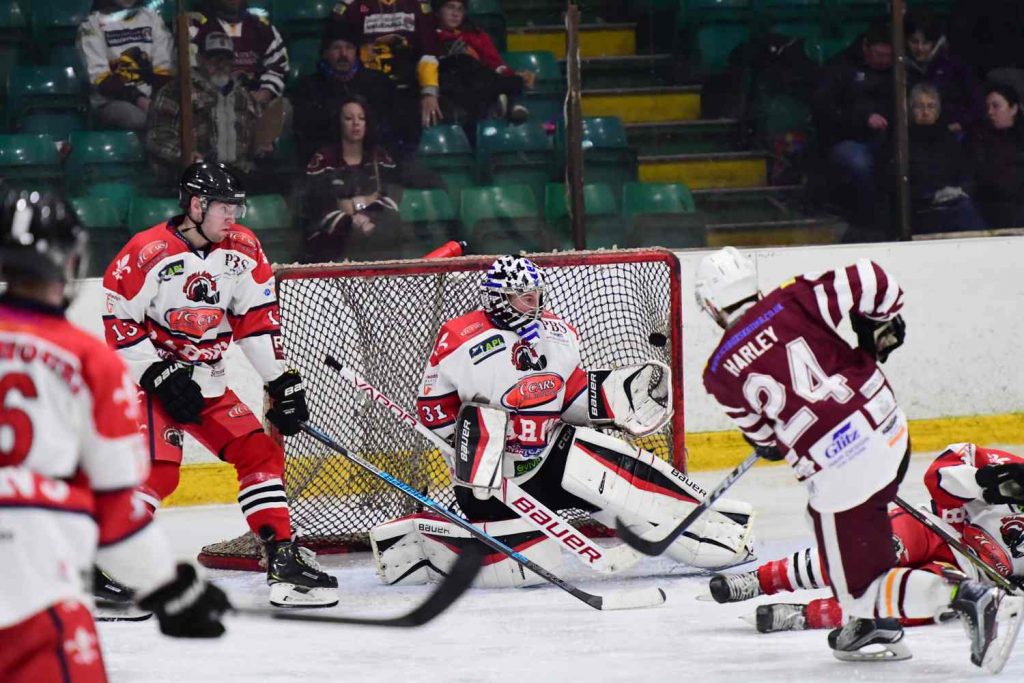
(505,290)
(725,279)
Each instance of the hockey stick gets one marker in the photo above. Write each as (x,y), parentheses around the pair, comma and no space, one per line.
(1008,584)
(528,508)
(623,600)
(649,547)
(459,579)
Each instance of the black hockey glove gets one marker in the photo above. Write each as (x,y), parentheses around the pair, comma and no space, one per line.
(188,606)
(289,403)
(172,383)
(771,453)
(879,338)
(1002,484)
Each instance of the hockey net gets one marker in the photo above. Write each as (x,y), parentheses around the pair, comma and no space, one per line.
(381,320)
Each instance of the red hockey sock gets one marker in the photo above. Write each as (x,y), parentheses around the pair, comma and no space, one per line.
(259,462)
(163,480)
(824,613)
(774,576)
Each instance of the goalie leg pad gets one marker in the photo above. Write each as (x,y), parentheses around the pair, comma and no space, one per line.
(644,491)
(421,548)
(479,446)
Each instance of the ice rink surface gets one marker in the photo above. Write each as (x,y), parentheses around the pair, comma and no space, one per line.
(536,634)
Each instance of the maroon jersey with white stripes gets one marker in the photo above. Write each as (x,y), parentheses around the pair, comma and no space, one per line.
(786,377)
(261,57)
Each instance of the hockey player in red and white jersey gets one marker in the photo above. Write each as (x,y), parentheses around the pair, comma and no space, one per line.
(176,296)
(976,494)
(69,462)
(507,378)
(797,390)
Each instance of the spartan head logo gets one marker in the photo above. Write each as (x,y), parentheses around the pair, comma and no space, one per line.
(1012,531)
(200,288)
(525,357)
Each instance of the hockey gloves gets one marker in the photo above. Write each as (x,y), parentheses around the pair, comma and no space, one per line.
(172,383)
(771,453)
(879,337)
(1002,484)
(289,403)
(188,606)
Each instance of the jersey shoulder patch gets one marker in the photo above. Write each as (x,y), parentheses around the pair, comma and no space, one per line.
(458,331)
(127,272)
(244,240)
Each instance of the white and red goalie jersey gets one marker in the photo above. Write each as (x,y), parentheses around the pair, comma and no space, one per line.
(70,458)
(541,383)
(995,532)
(165,299)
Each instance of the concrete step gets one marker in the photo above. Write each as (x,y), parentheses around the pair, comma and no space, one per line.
(633,71)
(596,40)
(765,216)
(707,170)
(684,137)
(644,105)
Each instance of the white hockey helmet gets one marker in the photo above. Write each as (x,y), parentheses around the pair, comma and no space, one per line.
(509,276)
(725,279)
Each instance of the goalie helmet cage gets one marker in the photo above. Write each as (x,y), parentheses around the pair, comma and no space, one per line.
(381,319)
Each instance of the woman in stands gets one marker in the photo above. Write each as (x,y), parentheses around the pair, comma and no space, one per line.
(997,155)
(473,75)
(353,190)
(931,62)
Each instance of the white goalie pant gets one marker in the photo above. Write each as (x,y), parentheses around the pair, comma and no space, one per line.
(644,491)
(421,548)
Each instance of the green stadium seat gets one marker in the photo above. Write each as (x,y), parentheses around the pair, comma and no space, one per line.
(30,161)
(268,212)
(43,88)
(446,150)
(503,219)
(488,15)
(515,154)
(105,156)
(604,227)
(715,43)
(107,233)
(303,55)
(608,158)
(145,212)
(119,194)
(97,212)
(711,11)
(543,64)
(662,214)
(56,21)
(58,124)
(300,18)
(431,218)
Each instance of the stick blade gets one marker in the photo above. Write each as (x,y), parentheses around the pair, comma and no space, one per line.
(635,599)
(639,543)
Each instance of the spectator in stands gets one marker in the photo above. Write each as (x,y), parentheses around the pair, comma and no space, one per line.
(340,75)
(127,52)
(997,154)
(400,40)
(473,75)
(353,190)
(261,58)
(224,118)
(988,34)
(853,108)
(940,181)
(931,62)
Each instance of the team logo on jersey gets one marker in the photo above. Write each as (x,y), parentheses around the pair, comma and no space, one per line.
(121,267)
(201,288)
(239,410)
(843,438)
(173,436)
(234,264)
(533,390)
(1012,531)
(487,348)
(193,321)
(471,329)
(987,548)
(171,271)
(525,357)
(149,254)
(245,244)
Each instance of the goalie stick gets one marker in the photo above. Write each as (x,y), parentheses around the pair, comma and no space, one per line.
(650,547)
(620,600)
(456,582)
(1008,584)
(528,508)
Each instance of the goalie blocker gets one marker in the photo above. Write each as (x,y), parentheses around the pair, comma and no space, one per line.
(585,469)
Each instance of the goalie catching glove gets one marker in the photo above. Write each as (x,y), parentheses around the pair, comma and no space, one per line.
(636,399)
(1002,484)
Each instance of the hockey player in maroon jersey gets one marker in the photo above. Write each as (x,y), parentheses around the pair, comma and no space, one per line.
(976,494)
(798,391)
(506,380)
(177,294)
(69,463)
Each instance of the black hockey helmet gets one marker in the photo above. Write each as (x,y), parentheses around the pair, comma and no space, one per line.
(210,182)
(41,238)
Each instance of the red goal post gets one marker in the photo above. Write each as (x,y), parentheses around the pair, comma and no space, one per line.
(381,320)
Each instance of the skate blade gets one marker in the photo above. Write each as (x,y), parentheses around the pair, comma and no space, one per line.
(123,612)
(876,652)
(1008,623)
(290,595)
